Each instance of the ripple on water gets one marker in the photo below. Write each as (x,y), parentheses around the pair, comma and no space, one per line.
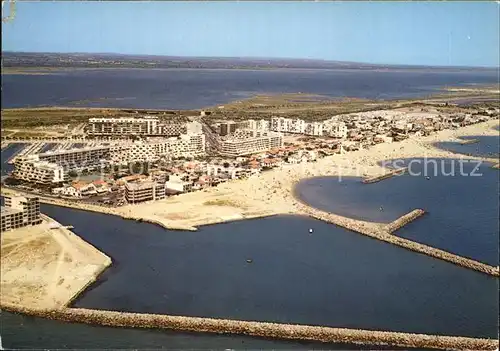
(330,277)
(462,210)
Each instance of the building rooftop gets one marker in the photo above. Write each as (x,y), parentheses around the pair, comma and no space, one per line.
(63,152)
(140,185)
(9,210)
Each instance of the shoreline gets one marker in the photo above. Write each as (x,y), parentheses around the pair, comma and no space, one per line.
(437,94)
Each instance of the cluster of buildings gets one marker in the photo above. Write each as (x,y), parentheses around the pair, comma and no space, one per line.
(244,149)
(53,167)
(20,211)
(370,128)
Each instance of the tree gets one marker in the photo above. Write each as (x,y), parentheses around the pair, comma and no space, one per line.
(73,174)
(226,164)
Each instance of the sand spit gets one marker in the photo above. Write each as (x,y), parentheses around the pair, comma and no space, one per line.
(404,220)
(388,175)
(47,267)
(262,329)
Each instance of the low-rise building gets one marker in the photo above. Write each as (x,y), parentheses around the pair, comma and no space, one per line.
(177,184)
(11,218)
(144,191)
(20,211)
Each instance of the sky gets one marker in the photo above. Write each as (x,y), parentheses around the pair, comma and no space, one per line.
(420,33)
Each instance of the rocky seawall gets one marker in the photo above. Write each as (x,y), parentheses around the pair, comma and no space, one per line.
(404,220)
(263,329)
(380,233)
(388,175)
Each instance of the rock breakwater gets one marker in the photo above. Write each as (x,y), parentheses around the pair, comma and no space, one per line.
(388,175)
(404,220)
(264,329)
(379,232)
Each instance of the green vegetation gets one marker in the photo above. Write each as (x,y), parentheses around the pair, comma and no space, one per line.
(39,117)
(47,116)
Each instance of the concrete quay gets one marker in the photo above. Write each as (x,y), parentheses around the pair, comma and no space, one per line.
(404,220)
(262,329)
(378,231)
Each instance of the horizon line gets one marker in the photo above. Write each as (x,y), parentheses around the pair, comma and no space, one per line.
(255,58)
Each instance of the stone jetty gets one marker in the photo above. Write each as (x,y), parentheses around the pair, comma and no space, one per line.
(379,232)
(388,175)
(404,220)
(264,329)
(469,141)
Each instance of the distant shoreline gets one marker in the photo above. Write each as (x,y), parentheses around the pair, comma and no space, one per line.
(42,70)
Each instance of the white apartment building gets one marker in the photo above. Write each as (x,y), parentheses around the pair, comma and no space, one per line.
(141,126)
(186,145)
(136,152)
(31,169)
(247,141)
(231,172)
(288,125)
(297,126)
(314,128)
(335,128)
(122,125)
(75,159)
(259,124)
(176,184)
